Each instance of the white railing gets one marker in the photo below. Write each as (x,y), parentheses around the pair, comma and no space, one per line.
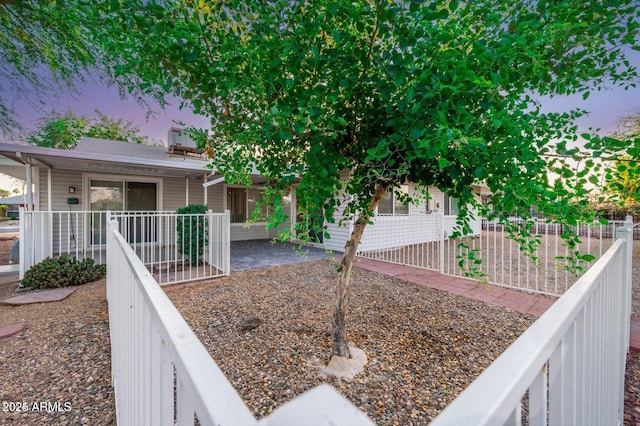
(568,368)
(153,235)
(179,247)
(423,241)
(162,374)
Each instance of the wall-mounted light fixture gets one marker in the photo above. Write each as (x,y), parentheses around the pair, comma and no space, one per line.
(72,190)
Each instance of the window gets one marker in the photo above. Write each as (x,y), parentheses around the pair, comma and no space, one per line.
(451,205)
(391,205)
(242,202)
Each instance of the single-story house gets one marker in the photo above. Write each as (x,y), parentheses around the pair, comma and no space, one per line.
(13,204)
(100,175)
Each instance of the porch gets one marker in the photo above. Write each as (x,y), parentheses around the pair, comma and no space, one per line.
(173,247)
(154,237)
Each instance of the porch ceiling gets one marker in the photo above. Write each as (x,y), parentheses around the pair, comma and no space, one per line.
(11,168)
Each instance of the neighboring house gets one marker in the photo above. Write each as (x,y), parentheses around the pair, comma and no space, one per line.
(13,205)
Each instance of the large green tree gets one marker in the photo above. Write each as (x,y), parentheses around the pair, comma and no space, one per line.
(65,130)
(440,93)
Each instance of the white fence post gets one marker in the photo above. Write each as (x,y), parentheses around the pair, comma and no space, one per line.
(441,242)
(625,233)
(23,244)
(226,241)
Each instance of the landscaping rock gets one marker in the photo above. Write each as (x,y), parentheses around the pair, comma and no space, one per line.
(250,324)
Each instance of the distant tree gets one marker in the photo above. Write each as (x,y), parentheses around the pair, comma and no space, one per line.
(629,126)
(623,175)
(64,131)
(437,93)
(4,193)
(115,129)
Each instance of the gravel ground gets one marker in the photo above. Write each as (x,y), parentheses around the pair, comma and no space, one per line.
(424,346)
(60,362)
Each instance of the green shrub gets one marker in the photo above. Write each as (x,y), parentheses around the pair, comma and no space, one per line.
(192,231)
(63,271)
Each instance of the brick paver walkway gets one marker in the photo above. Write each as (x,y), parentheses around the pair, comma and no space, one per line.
(517,300)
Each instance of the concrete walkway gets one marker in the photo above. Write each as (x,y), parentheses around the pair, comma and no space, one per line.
(255,254)
(518,301)
(52,295)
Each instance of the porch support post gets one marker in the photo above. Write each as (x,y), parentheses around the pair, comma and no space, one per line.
(442,241)
(50,207)
(21,246)
(186,191)
(29,185)
(205,189)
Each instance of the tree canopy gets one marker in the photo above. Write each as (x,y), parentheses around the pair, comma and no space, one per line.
(48,47)
(43,47)
(440,93)
(65,130)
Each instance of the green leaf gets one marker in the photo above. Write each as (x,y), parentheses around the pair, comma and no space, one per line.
(415,133)
(443,163)
(481,172)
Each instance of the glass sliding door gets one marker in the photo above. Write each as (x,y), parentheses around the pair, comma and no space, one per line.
(123,195)
(141,197)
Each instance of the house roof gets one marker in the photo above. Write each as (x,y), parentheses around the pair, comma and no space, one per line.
(104,156)
(130,150)
(16,199)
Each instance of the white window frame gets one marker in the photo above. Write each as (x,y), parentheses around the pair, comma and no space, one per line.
(88,177)
(393,204)
(447,205)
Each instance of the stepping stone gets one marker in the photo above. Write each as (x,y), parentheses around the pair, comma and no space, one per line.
(54,295)
(10,330)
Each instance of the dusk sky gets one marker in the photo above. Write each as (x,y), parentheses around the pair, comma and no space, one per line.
(606,108)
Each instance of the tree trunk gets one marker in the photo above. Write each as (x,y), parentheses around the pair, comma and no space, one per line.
(339,339)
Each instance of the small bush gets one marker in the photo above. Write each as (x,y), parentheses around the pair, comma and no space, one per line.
(63,271)
(192,231)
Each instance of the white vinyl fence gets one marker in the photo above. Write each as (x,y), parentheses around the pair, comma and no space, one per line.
(174,247)
(568,368)
(163,375)
(424,241)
